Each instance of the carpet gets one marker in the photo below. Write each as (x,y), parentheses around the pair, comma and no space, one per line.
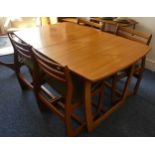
(21,117)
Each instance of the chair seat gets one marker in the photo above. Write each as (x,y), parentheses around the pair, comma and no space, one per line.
(62,89)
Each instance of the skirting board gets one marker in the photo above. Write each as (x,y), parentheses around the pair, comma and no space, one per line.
(150,64)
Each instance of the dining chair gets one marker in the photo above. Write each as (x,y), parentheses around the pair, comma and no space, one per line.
(140,37)
(67,96)
(107,25)
(68,19)
(22,57)
(87,22)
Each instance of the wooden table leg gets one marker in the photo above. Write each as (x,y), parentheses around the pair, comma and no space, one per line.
(125,91)
(88,107)
(91,124)
(119,103)
(114,86)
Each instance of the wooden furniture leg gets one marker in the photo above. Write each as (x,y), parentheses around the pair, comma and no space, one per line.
(91,123)
(100,106)
(88,108)
(114,86)
(125,91)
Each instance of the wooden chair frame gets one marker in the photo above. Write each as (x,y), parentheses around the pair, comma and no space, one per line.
(48,99)
(139,69)
(22,51)
(89,23)
(105,23)
(62,74)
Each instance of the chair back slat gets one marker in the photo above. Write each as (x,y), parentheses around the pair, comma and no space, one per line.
(23,51)
(53,72)
(50,67)
(89,23)
(134,35)
(106,25)
(20,46)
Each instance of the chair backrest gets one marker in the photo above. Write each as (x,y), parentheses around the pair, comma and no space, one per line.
(52,70)
(20,47)
(132,34)
(109,26)
(106,25)
(86,22)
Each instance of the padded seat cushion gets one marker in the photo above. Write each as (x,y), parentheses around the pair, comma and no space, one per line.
(61,88)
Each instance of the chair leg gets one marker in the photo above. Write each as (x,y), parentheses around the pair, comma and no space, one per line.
(40,103)
(17,66)
(126,87)
(101,99)
(139,79)
(22,84)
(25,84)
(114,87)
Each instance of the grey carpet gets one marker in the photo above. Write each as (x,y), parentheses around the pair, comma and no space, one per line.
(20,115)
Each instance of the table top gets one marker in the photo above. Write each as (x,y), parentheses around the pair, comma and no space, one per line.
(88,52)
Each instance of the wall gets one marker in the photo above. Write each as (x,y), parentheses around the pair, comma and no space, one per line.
(147,24)
(2,21)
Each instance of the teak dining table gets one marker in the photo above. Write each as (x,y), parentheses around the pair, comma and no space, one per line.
(91,54)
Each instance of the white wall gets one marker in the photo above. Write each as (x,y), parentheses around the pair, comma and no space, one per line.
(2,21)
(147,24)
